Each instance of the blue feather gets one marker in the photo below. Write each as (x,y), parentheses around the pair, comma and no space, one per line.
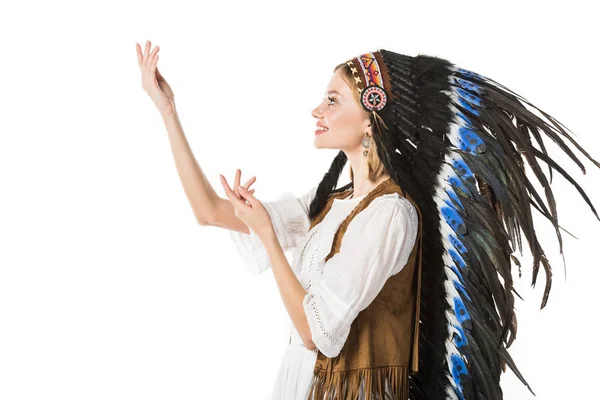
(459,369)
(471,98)
(460,310)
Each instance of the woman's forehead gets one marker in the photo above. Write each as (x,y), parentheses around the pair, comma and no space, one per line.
(337,85)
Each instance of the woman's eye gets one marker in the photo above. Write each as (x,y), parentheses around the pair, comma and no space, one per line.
(330,99)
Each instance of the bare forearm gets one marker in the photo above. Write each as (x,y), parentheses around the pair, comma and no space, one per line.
(196,186)
(291,290)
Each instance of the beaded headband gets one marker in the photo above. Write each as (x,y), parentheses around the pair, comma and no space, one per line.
(371,79)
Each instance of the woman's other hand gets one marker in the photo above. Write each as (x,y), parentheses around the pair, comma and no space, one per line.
(247,207)
(153,82)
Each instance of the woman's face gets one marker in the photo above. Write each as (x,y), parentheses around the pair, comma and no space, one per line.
(345,119)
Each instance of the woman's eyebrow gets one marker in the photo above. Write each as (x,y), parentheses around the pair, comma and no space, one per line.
(333,91)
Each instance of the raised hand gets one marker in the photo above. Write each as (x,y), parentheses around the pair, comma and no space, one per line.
(153,82)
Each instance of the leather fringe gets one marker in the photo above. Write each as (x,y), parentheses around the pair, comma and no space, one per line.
(346,385)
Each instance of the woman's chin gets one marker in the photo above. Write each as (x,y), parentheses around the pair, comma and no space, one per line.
(318,145)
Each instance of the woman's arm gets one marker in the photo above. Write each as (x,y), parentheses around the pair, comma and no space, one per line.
(291,290)
(208,207)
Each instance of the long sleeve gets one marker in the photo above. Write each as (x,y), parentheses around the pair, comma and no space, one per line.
(375,246)
(289,215)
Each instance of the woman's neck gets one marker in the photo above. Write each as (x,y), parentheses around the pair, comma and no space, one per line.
(365,186)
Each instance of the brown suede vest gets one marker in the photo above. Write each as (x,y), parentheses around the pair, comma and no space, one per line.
(384,334)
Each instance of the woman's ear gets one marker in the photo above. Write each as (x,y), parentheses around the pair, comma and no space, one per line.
(367,126)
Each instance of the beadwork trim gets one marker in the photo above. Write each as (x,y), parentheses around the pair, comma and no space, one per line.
(369,81)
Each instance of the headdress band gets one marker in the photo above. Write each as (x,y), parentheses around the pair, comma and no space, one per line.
(369,74)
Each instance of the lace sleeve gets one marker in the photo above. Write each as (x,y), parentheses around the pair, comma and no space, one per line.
(375,246)
(289,215)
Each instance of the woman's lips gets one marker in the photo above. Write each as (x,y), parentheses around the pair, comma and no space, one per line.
(318,131)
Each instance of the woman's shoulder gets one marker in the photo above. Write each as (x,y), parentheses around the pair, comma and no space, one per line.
(393,205)
(393,200)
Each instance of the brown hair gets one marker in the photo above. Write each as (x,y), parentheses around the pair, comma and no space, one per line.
(376,167)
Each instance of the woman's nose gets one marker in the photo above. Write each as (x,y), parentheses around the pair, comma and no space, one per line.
(316,112)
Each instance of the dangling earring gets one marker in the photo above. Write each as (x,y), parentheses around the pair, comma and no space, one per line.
(366,142)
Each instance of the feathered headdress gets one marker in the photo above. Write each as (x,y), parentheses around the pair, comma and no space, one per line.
(457,141)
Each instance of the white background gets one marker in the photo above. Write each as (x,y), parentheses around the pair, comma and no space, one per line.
(109,289)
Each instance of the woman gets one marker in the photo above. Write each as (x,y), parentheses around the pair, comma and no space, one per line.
(440,150)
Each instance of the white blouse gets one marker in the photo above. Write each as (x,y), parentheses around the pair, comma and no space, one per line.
(375,246)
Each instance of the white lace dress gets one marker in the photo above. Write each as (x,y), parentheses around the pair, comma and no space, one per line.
(375,246)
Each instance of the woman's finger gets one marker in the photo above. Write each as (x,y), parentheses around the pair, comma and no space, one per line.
(146,52)
(154,55)
(246,195)
(153,63)
(237,203)
(228,192)
(150,58)
(138,51)
(236,181)
(249,182)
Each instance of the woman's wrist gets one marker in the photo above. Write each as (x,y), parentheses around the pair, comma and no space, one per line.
(168,111)
(268,238)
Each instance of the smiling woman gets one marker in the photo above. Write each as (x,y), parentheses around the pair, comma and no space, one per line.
(401,280)
(348,126)
(455,141)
